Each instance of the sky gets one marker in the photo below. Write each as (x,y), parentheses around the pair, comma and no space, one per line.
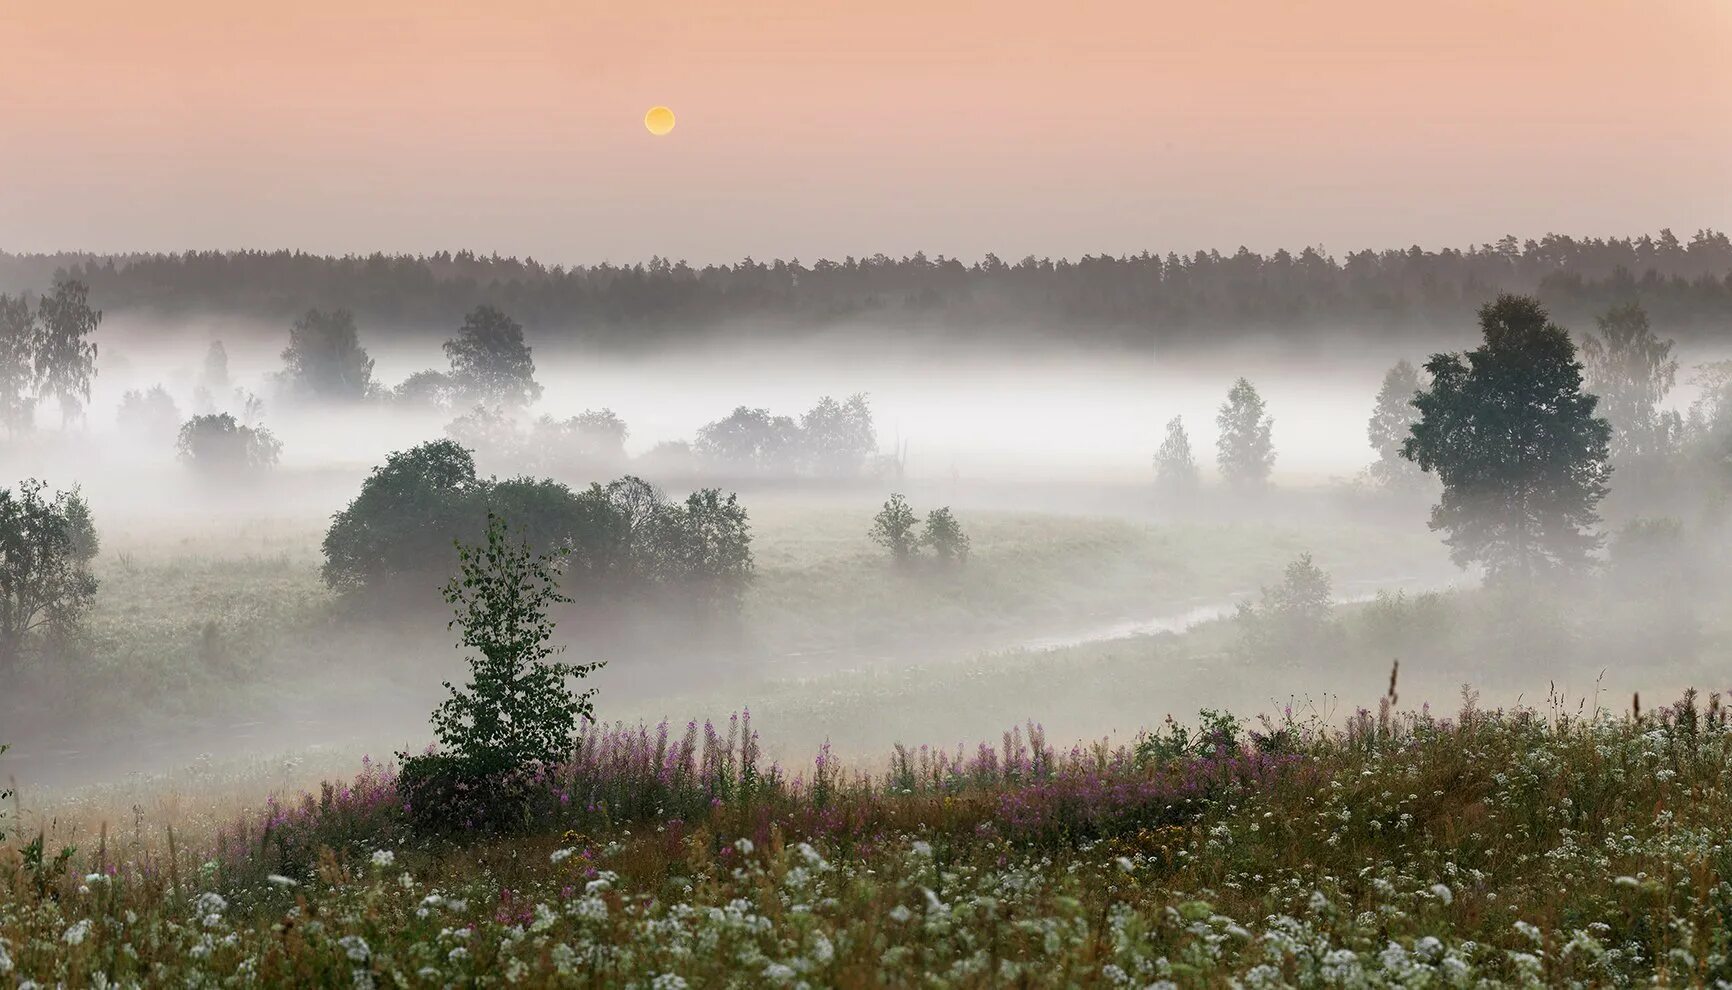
(821,129)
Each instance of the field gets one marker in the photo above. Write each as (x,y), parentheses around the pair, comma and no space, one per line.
(1496,847)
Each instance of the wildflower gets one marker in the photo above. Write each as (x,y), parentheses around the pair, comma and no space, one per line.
(1443,893)
(355,947)
(900,913)
(384,858)
(76,933)
(744,845)
(561,855)
(921,848)
(278,880)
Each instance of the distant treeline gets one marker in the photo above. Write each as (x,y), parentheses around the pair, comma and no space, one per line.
(1685,286)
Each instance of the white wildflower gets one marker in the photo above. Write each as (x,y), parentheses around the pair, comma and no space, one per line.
(355,947)
(384,858)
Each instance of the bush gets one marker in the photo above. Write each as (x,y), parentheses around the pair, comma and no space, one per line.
(945,536)
(1295,617)
(218,444)
(518,713)
(893,528)
(46,547)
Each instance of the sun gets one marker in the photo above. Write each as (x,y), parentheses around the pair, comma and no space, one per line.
(659,120)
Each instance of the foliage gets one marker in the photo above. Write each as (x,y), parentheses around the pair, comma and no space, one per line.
(1140,299)
(149,415)
(832,439)
(1175,468)
(593,439)
(1391,420)
(65,357)
(490,363)
(1632,371)
(1492,847)
(218,444)
(838,437)
(427,389)
(18,341)
(750,439)
(1514,439)
(490,429)
(1244,453)
(46,546)
(944,535)
(214,377)
(518,712)
(708,541)
(1293,619)
(895,529)
(325,359)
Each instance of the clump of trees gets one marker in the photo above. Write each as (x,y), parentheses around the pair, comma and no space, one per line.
(46,548)
(625,536)
(1293,619)
(832,439)
(518,712)
(899,531)
(1244,451)
(1513,436)
(149,415)
(219,444)
(46,352)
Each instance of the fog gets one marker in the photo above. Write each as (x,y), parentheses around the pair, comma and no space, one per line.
(1088,603)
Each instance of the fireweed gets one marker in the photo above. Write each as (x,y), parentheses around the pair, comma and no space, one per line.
(1504,847)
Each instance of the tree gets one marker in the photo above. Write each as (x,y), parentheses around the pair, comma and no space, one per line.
(1175,467)
(427,389)
(215,376)
(401,525)
(750,439)
(325,359)
(1295,617)
(709,540)
(1243,452)
(18,340)
(945,536)
(1514,439)
(490,362)
(1390,422)
(46,547)
(893,529)
(490,429)
(1632,370)
(151,416)
(216,444)
(65,356)
(838,437)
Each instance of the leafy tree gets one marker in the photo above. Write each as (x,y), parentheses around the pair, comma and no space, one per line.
(893,528)
(65,356)
(489,429)
(1175,467)
(325,359)
(490,363)
(838,437)
(593,438)
(1391,420)
(150,415)
(215,376)
(518,712)
(46,547)
(1244,452)
(1514,439)
(709,541)
(427,390)
(402,523)
(750,439)
(216,443)
(18,339)
(1295,616)
(945,536)
(1632,370)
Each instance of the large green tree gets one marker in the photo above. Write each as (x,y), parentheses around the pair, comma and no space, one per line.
(1512,435)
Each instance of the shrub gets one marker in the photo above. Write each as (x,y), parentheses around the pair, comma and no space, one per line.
(518,713)
(218,444)
(1295,617)
(945,536)
(893,528)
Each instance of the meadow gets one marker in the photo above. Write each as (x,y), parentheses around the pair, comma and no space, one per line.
(1518,847)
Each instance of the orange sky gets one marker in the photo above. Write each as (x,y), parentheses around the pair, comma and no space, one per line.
(827,128)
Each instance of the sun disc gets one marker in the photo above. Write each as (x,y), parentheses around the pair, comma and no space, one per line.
(659,120)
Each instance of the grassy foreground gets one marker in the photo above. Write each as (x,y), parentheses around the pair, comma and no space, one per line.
(1514,847)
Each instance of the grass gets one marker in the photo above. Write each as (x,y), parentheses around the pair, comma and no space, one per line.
(1522,847)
